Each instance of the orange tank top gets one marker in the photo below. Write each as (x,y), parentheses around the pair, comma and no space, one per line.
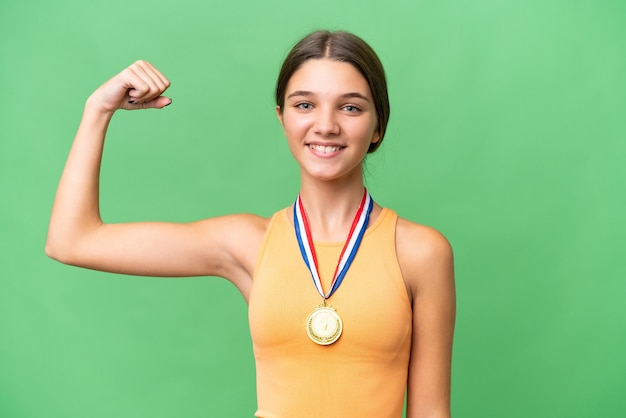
(364,373)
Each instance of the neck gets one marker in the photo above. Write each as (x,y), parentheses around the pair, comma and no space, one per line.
(330,207)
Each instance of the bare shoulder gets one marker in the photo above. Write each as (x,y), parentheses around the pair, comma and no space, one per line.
(422,242)
(425,256)
(426,261)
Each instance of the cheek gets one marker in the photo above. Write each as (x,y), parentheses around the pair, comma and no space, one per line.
(364,131)
(290,132)
(295,127)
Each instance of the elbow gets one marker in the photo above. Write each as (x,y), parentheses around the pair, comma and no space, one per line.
(67,246)
(57,251)
(53,252)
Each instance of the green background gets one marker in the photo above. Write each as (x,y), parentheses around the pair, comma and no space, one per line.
(507,134)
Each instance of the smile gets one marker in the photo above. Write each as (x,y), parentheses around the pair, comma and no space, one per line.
(325,149)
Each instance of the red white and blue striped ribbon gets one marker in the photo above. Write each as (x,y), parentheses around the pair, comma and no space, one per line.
(307,248)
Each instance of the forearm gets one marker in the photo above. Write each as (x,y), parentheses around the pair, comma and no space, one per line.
(76,206)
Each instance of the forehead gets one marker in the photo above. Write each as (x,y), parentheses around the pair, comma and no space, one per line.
(325,76)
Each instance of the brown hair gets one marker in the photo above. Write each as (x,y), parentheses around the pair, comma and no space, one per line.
(344,47)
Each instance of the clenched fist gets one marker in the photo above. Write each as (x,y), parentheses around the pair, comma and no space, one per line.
(139,86)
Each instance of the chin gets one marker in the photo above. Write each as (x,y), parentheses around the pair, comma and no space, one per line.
(331,175)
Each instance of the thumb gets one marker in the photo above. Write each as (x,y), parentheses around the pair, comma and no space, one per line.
(157,103)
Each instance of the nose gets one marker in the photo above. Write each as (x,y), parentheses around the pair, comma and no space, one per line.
(326,123)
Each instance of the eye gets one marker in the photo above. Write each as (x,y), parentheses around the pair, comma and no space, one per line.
(304,106)
(351,108)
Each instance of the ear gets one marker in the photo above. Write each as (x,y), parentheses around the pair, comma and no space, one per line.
(376,137)
(279,114)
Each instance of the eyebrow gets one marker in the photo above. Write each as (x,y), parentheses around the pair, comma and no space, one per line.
(345,95)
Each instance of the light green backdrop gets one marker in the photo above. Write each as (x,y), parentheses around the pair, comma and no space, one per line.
(507,133)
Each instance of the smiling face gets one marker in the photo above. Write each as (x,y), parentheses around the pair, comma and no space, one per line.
(329,119)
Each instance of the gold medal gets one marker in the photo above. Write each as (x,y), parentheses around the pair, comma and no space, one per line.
(324,325)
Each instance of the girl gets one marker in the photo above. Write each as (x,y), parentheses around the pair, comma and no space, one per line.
(350,306)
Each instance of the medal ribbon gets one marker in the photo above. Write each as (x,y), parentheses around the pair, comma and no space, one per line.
(307,248)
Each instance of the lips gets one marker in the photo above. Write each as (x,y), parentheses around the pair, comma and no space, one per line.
(325,149)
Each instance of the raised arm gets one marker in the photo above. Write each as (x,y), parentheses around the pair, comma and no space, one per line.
(427,264)
(223,246)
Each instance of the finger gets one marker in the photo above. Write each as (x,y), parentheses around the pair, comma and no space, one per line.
(154,85)
(165,82)
(137,85)
(158,103)
(151,78)
(141,90)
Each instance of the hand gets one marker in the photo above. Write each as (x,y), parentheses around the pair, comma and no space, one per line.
(139,86)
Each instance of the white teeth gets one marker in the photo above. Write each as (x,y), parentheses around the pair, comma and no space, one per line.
(325,149)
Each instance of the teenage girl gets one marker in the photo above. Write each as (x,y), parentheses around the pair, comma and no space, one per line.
(350,305)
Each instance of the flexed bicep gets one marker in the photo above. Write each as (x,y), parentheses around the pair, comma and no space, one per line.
(78,236)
